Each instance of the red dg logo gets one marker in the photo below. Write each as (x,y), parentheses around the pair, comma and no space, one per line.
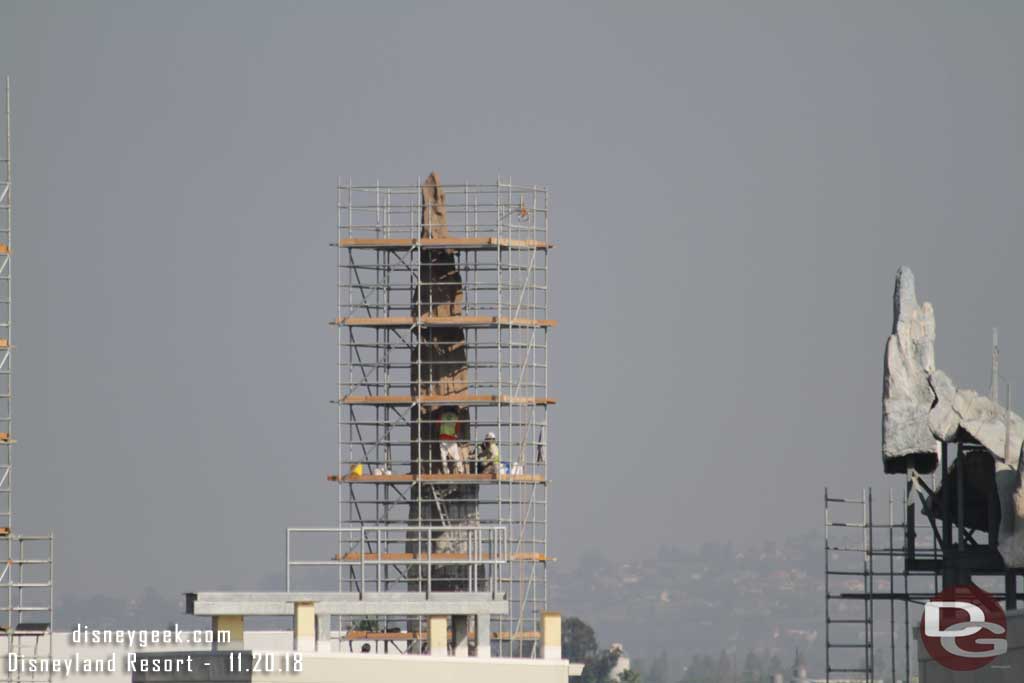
(964,628)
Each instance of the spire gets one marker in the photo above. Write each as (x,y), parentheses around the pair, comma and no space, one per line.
(799,667)
(994,386)
(1006,440)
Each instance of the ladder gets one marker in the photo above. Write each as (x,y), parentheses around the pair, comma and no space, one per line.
(849,604)
(439,506)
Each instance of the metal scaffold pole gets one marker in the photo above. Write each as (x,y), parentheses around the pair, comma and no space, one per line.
(27,576)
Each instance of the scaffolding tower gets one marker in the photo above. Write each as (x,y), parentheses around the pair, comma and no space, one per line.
(885,559)
(862,566)
(442,330)
(26,579)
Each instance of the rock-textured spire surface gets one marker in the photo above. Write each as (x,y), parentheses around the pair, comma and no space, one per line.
(922,408)
(907,394)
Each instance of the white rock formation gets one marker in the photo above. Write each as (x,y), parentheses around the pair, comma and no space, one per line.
(907,395)
(922,407)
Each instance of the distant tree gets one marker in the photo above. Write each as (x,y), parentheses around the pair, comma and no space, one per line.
(724,670)
(752,669)
(702,669)
(692,670)
(630,676)
(579,642)
(598,667)
(658,671)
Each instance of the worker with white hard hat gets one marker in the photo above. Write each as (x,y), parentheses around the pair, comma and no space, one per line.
(490,456)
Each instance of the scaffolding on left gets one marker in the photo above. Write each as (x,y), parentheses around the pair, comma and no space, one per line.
(26,579)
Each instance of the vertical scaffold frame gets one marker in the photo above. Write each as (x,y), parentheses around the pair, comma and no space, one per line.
(882,567)
(498,237)
(26,579)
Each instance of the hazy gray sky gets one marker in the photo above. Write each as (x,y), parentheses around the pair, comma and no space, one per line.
(733,186)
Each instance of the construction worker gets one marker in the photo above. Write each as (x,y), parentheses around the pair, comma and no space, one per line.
(451,457)
(490,456)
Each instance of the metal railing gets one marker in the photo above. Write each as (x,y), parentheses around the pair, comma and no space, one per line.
(379,558)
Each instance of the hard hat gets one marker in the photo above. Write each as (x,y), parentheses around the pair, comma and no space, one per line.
(490,436)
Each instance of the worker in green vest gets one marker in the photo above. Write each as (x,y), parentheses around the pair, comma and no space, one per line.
(448,433)
(449,425)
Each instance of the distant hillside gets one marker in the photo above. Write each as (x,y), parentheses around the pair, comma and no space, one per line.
(702,600)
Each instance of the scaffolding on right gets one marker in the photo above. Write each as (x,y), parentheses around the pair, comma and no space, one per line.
(443,327)
(885,559)
(870,594)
